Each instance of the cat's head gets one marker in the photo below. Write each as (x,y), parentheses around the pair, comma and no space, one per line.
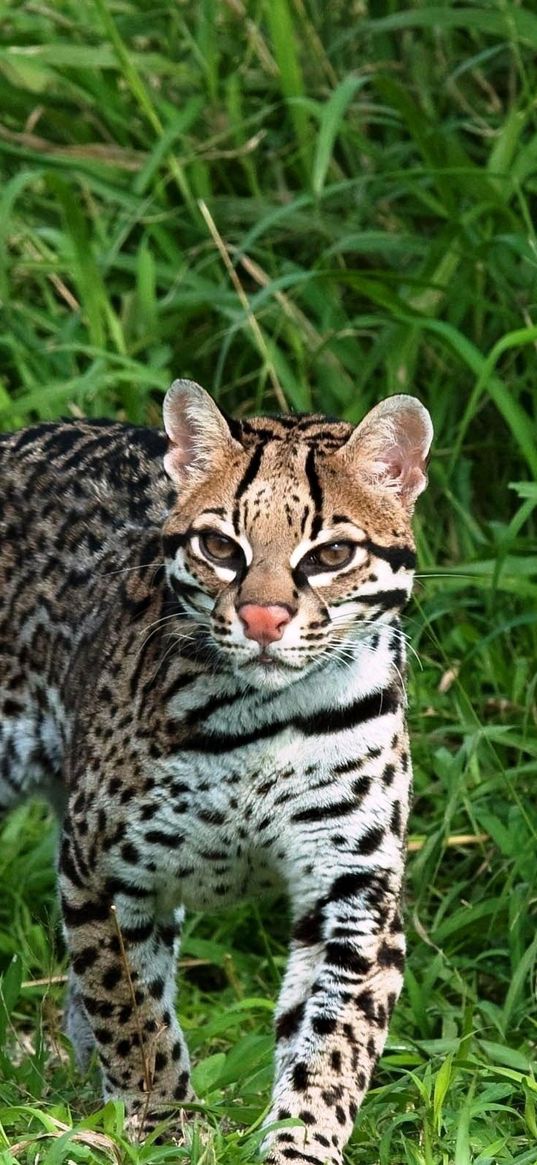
(291,539)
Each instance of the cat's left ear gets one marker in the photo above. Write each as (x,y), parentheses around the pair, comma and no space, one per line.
(198,432)
(389,447)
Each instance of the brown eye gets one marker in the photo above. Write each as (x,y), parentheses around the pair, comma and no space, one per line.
(332,556)
(218,548)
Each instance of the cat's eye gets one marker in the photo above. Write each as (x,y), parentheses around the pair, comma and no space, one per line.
(221,550)
(331,556)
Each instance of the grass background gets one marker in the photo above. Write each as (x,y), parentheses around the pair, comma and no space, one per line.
(318,204)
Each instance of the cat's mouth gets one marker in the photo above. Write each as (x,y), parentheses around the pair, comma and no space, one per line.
(265,670)
(266,660)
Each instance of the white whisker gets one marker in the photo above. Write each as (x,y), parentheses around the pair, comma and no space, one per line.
(128,569)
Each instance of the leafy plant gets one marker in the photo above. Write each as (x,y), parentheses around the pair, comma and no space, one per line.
(305,205)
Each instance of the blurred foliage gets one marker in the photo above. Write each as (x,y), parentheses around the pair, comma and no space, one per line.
(309,205)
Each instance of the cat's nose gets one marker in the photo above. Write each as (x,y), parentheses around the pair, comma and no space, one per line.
(264,622)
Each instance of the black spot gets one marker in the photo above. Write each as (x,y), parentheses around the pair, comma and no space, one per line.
(84,959)
(98,1007)
(288,1023)
(306,1116)
(181,1087)
(301,1077)
(159,837)
(324,1025)
(156,989)
(212,816)
(103,1035)
(366,1004)
(395,823)
(341,954)
(308,930)
(129,853)
(388,775)
(391,956)
(111,978)
(370,841)
(349,885)
(360,788)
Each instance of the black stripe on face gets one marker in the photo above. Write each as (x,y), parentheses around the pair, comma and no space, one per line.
(397,556)
(315,491)
(386,600)
(185,590)
(246,480)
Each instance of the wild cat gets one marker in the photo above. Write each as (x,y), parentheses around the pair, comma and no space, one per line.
(202,668)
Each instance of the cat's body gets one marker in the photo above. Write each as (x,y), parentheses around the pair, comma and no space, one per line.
(222,725)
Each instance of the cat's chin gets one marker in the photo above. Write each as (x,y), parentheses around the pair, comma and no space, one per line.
(268,676)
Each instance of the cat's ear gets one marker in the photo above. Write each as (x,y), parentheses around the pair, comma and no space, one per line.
(198,432)
(389,447)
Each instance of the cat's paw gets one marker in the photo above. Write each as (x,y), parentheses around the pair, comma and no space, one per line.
(142,1121)
(301,1157)
(282,1152)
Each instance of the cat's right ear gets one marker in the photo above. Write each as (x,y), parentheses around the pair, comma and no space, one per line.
(197,431)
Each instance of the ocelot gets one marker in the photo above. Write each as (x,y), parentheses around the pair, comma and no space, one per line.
(202,669)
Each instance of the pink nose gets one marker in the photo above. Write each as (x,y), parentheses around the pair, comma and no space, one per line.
(264,622)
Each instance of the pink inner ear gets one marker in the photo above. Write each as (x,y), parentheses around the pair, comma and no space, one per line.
(395,463)
(181,450)
(181,446)
(404,458)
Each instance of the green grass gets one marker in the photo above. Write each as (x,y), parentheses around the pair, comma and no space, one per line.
(368,175)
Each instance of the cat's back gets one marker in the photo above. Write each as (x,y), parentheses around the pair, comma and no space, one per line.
(76,500)
(106,473)
(80,503)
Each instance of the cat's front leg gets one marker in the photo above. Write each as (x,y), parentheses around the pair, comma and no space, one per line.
(123,958)
(342,980)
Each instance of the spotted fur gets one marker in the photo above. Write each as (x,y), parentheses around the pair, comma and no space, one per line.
(191,764)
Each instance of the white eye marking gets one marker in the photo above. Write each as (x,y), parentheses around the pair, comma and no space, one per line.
(326,578)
